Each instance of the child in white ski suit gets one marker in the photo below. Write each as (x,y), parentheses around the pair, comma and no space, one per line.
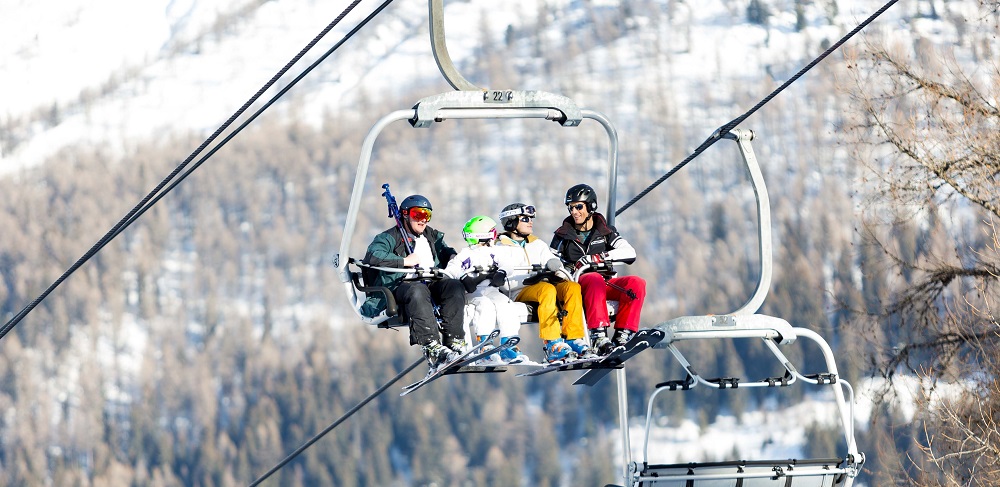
(483,268)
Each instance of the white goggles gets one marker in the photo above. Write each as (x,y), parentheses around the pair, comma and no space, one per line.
(521,210)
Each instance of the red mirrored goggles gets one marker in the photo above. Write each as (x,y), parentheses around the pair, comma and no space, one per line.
(418,214)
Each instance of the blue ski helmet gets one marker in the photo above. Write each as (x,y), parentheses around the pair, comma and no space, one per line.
(415,201)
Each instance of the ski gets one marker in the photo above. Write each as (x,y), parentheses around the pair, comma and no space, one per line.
(473,354)
(643,339)
(578,364)
(463,366)
(478,369)
(435,373)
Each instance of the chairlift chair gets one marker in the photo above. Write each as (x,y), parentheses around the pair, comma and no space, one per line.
(746,323)
(486,104)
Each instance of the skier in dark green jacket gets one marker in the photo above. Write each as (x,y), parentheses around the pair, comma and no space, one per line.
(416,298)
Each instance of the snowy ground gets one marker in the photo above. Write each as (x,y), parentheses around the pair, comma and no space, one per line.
(187,65)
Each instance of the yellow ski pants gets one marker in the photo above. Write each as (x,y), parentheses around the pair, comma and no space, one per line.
(551,298)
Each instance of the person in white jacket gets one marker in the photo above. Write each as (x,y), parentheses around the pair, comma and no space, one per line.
(559,300)
(483,268)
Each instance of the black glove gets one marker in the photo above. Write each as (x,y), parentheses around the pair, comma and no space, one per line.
(533,279)
(498,278)
(470,282)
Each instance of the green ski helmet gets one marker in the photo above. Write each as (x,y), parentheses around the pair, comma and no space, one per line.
(480,229)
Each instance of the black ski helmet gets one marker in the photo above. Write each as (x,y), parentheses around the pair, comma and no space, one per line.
(583,193)
(511,213)
(415,201)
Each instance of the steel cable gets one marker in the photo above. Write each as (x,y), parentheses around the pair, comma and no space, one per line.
(158,192)
(336,423)
(717,135)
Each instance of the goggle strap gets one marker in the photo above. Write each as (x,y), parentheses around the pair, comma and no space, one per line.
(480,235)
(521,210)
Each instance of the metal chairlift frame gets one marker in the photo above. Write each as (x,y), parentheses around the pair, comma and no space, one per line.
(489,104)
(746,323)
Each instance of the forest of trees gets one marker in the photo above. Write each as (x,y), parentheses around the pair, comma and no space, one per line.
(212,338)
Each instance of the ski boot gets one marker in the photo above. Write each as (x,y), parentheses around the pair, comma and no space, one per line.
(491,359)
(601,343)
(556,350)
(438,355)
(512,355)
(458,345)
(581,348)
(621,337)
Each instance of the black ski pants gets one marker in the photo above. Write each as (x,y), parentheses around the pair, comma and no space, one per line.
(416,300)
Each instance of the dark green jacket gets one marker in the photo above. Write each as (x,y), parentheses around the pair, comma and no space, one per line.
(388,250)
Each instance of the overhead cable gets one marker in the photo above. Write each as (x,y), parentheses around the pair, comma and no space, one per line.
(336,423)
(723,130)
(162,188)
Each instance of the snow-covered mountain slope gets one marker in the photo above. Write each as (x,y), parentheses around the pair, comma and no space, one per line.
(110,72)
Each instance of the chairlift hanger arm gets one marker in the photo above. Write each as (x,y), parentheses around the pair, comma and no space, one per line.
(440,49)
(743,139)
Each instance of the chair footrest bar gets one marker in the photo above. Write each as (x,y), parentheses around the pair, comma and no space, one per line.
(726,382)
(823,378)
(680,384)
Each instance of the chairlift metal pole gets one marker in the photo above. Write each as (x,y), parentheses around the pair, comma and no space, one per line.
(620,376)
(440,49)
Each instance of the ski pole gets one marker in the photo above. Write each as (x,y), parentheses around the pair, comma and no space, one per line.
(628,292)
(394,212)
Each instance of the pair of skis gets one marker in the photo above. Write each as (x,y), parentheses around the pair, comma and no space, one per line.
(598,367)
(480,351)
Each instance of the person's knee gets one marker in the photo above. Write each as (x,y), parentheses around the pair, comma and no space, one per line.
(570,293)
(547,305)
(593,285)
(413,292)
(639,284)
(452,288)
